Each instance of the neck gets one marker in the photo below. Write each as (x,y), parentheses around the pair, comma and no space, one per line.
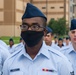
(11,45)
(32,51)
(55,42)
(49,43)
(67,43)
(60,46)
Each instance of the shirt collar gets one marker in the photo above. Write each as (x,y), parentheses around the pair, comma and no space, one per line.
(71,49)
(43,50)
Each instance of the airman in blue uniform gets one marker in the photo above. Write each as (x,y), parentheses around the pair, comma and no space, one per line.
(35,58)
(48,38)
(70,51)
(11,46)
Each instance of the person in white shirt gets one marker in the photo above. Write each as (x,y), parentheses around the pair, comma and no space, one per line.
(68,41)
(56,40)
(48,38)
(11,46)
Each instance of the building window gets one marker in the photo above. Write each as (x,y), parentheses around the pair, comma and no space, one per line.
(43,7)
(61,7)
(52,7)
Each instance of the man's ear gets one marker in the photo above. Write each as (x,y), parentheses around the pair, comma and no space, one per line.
(45,32)
(69,33)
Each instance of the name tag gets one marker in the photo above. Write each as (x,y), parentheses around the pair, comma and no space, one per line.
(13,70)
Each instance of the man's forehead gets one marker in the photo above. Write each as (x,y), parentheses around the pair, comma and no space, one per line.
(73,30)
(32,20)
(48,33)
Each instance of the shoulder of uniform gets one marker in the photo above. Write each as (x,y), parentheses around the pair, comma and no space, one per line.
(19,45)
(65,48)
(15,53)
(18,49)
(53,50)
(56,52)
(12,58)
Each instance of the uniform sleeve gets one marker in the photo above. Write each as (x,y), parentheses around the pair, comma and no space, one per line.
(1,66)
(5,68)
(4,54)
(65,68)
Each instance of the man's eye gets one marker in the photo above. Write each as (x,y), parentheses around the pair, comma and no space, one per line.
(24,26)
(48,35)
(35,26)
(73,32)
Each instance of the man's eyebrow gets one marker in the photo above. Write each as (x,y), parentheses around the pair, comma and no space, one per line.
(34,23)
(31,24)
(25,23)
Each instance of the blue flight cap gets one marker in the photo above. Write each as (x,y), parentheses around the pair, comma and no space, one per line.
(67,38)
(73,24)
(49,30)
(60,39)
(32,11)
(55,37)
(10,39)
(21,38)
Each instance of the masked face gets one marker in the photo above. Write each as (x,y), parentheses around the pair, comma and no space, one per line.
(32,38)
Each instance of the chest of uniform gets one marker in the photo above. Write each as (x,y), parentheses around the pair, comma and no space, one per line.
(42,67)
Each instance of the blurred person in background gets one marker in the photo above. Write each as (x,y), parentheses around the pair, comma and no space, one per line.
(11,46)
(60,42)
(64,40)
(68,41)
(48,38)
(56,40)
(21,40)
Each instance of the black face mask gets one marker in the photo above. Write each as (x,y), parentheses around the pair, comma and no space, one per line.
(32,38)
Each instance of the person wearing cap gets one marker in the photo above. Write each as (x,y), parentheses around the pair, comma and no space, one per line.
(48,38)
(35,58)
(21,40)
(68,41)
(60,43)
(11,46)
(56,40)
(64,40)
(70,52)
